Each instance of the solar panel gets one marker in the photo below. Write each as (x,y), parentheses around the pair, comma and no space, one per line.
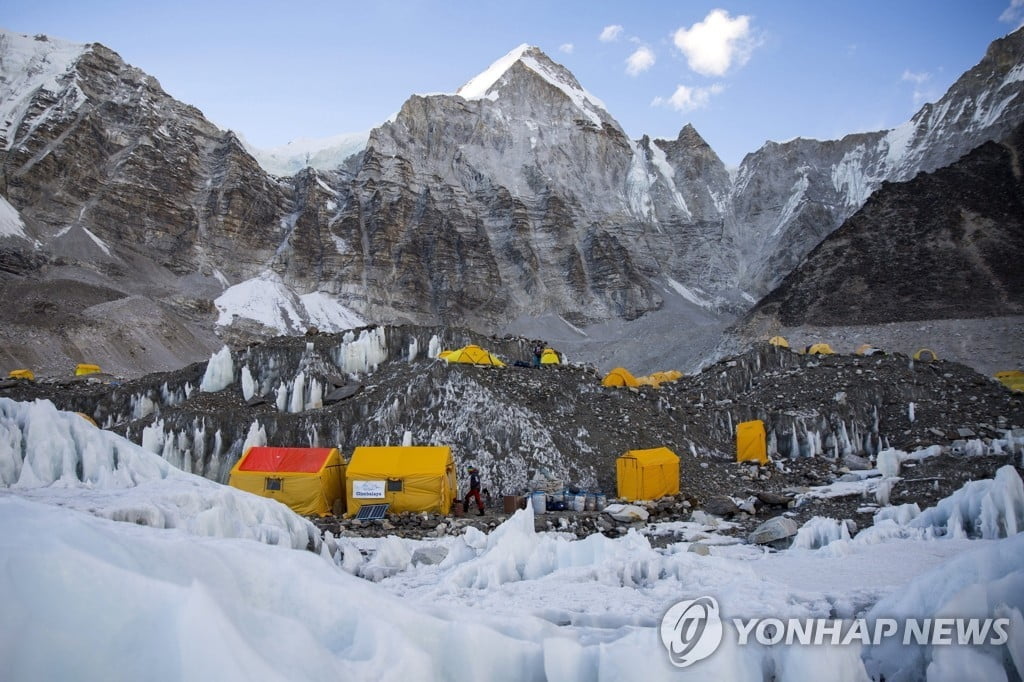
(369,512)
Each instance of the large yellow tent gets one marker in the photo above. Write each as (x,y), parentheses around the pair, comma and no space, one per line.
(647,474)
(820,349)
(472,355)
(619,377)
(21,374)
(550,357)
(779,341)
(85,368)
(751,442)
(309,480)
(409,478)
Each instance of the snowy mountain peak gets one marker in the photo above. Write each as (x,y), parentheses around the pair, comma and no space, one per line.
(29,64)
(488,84)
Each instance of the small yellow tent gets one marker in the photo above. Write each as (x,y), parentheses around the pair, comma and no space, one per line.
(550,357)
(83,369)
(868,349)
(926,355)
(1013,379)
(309,480)
(619,377)
(665,377)
(647,474)
(820,349)
(751,442)
(472,355)
(779,341)
(409,478)
(22,374)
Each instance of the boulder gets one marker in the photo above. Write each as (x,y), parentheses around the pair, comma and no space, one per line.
(720,505)
(626,513)
(773,530)
(429,555)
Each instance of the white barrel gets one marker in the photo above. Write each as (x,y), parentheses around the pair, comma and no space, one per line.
(540,502)
(579,503)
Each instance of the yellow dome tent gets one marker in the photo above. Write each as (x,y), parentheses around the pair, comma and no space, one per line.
(409,478)
(84,368)
(472,355)
(926,355)
(647,474)
(1013,379)
(820,349)
(666,377)
(619,377)
(308,480)
(26,374)
(779,341)
(751,442)
(550,357)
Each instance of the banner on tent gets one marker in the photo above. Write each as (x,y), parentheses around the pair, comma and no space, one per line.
(368,490)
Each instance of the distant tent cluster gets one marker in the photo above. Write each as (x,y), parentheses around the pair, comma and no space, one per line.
(471,355)
(621,377)
(867,349)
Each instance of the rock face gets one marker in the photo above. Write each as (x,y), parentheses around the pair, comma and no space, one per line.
(946,244)
(519,195)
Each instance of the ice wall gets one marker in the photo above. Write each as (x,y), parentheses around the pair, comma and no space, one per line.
(59,458)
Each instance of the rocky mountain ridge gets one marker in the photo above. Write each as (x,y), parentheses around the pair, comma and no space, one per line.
(520,197)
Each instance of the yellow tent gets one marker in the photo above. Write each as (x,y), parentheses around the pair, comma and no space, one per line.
(926,355)
(21,374)
(656,379)
(472,355)
(868,349)
(1013,379)
(820,349)
(647,474)
(309,480)
(751,442)
(550,357)
(84,368)
(619,377)
(779,341)
(409,478)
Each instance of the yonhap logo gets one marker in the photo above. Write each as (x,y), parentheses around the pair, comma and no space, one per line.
(691,630)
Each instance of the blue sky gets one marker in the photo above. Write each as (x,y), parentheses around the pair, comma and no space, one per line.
(740,72)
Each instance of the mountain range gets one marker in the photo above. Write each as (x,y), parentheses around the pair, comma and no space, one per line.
(135,233)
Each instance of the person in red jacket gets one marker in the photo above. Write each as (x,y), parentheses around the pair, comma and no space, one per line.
(474,491)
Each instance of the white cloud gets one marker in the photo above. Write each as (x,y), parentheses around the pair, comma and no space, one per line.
(641,60)
(918,78)
(719,42)
(688,99)
(566,48)
(610,33)
(921,93)
(1014,14)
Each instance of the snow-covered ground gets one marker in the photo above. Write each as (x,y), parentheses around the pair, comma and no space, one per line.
(115,565)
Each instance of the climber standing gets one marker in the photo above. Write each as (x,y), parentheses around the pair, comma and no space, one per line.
(474,491)
(538,352)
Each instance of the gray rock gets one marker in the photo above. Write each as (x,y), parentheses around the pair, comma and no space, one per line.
(720,505)
(429,555)
(772,530)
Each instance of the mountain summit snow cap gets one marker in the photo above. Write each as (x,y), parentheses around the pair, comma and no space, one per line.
(486,85)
